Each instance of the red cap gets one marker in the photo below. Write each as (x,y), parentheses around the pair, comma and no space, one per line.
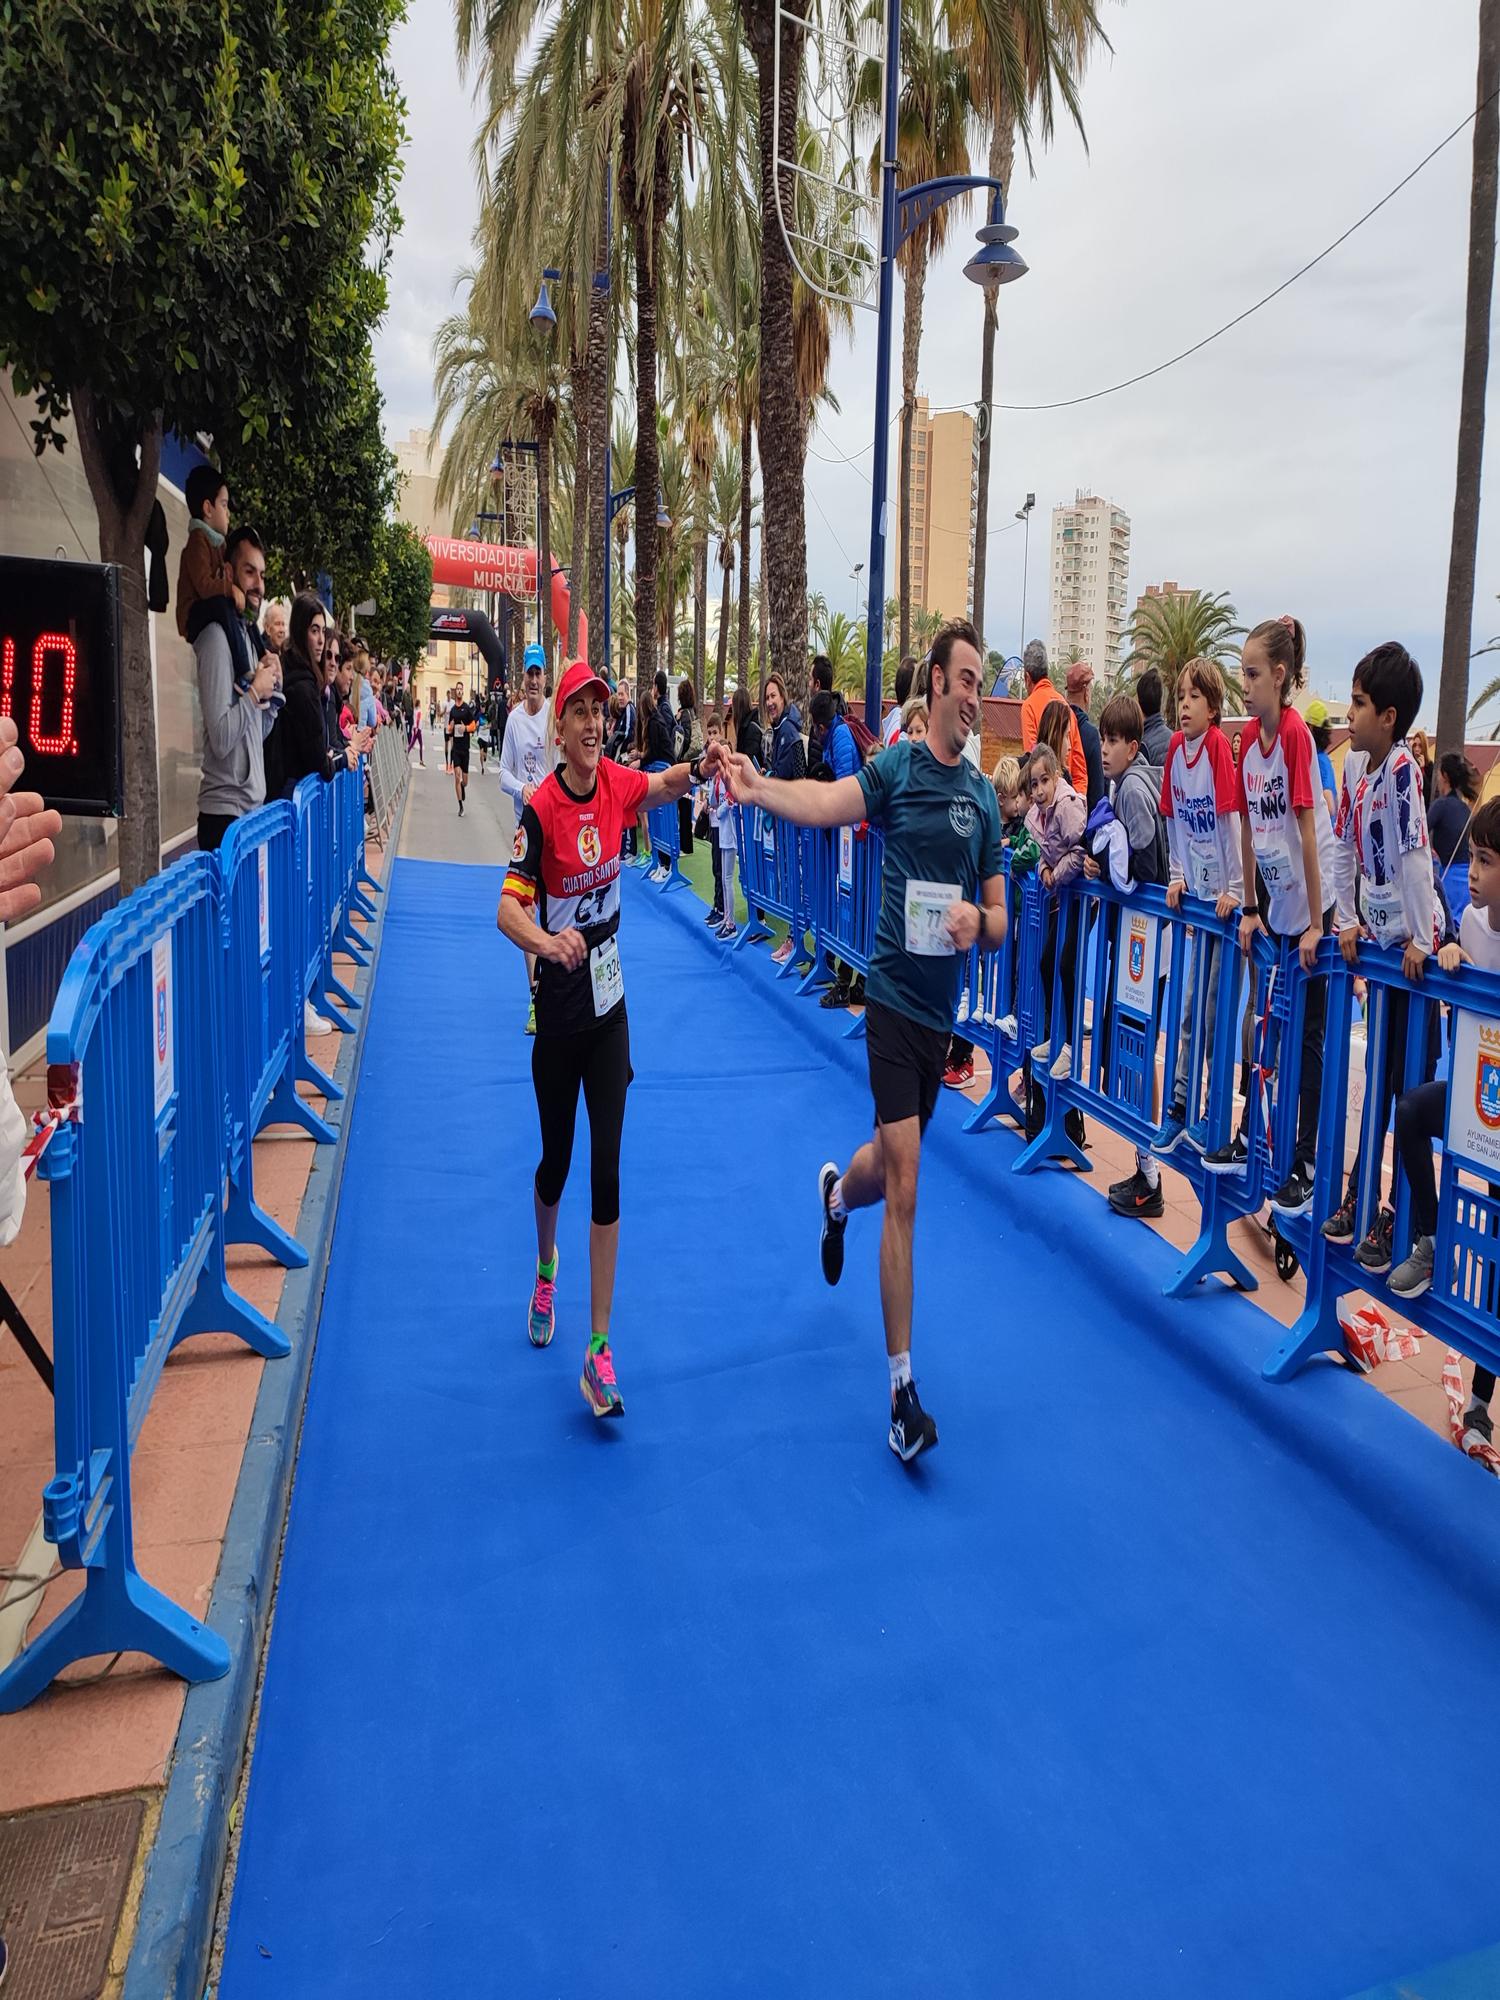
(579,679)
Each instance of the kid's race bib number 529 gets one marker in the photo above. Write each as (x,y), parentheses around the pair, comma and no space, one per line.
(927,904)
(608,980)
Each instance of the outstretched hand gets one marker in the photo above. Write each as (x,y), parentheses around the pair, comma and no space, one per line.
(743,777)
(715,761)
(27,830)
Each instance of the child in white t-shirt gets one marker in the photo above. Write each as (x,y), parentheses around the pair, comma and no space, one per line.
(1200,803)
(1382,833)
(1288,846)
(722,825)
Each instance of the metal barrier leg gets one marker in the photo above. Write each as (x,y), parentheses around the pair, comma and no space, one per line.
(245,1221)
(307,1071)
(855,1030)
(285,1107)
(334,985)
(216,1307)
(1052,1142)
(359,901)
(117,1612)
(1211,1256)
(348,940)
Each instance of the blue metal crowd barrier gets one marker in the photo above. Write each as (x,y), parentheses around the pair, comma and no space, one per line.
(263,987)
(138,1229)
(176,1036)
(666,837)
(1463,1305)
(772,861)
(999,1004)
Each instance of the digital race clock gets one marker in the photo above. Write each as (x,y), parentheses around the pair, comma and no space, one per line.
(60,662)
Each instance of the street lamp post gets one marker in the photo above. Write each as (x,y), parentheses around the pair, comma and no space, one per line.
(1023,513)
(994,263)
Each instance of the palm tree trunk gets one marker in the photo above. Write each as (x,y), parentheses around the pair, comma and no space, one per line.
(122,521)
(723,656)
(647,456)
(762,620)
(582,472)
(742,634)
(596,425)
(544,532)
(1002,158)
(785,522)
(700,591)
(911,348)
(1458,617)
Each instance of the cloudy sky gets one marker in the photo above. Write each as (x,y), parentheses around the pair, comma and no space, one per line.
(1302,463)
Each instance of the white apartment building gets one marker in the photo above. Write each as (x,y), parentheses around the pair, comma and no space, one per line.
(1090,565)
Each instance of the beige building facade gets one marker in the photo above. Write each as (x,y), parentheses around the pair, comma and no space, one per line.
(944,494)
(1090,566)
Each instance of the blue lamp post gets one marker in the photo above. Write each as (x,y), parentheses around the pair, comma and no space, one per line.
(994,263)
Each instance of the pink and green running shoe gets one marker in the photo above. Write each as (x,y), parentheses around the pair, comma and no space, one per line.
(541,1320)
(600,1390)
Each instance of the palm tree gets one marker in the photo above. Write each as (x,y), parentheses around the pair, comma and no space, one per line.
(932,139)
(844,642)
(724,520)
(1024,55)
(817,615)
(1167,632)
(1458,616)
(1488,693)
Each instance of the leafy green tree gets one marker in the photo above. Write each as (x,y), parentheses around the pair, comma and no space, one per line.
(319,495)
(402,589)
(194,232)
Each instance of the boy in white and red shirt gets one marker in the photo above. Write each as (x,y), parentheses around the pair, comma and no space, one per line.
(1200,804)
(1382,878)
(1288,848)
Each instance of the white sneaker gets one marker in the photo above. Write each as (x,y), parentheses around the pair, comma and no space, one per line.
(1042,1053)
(963,1007)
(1063,1064)
(1009,1027)
(313,1022)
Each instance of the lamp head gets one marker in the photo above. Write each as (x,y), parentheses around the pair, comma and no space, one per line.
(542,314)
(995,264)
(663,518)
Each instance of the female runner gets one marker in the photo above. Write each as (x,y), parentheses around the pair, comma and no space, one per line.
(565,866)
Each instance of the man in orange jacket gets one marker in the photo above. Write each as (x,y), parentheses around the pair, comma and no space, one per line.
(1040,692)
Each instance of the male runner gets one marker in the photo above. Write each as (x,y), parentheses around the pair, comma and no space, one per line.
(461,716)
(942,851)
(525,759)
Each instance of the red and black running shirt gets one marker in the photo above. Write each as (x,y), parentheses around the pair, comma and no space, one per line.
(566,865)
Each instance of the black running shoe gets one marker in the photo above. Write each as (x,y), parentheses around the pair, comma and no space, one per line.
(1137,1197)
(831,1243)
(1230,1159)
(1294,1196)
(1339,1228)
(912,1430)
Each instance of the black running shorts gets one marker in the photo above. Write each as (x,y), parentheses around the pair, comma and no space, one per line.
(460,752)
(906,1065)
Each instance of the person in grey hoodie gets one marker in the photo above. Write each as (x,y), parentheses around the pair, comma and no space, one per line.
(235,695)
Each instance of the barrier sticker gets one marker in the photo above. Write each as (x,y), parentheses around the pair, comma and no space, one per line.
(262,864)
(1473,1135)
(846,857)
(161,1021)
(1135,975)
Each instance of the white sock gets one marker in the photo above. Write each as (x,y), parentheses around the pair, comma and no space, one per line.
(1150,1168)
(836,1206)
(900,1367)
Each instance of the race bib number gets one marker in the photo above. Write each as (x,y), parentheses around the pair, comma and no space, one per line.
(1202,868)
(1384,918)
(927,904)
(1274,861)
(606,977)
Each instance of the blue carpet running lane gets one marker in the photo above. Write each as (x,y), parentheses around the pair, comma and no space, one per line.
(1153,1680)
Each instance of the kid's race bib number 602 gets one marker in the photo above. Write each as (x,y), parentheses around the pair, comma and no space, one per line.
(927,905)
(608,980)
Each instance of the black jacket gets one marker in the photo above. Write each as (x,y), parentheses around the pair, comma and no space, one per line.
(660,743)
(298,746)
(750,742)
(1088,736)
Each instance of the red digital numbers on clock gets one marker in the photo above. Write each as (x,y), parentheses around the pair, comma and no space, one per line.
(49,646)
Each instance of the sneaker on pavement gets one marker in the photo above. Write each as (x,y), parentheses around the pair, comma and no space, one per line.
(1339,1228)
(1413,1276)
(541,1318)
(727,930)
(600,1390)
(1122,1188)
(1172,1132)
(956,1075)
(836,996)
(1138,1197)
(782,952)
(912,1430)
(1374,1254)
(1230,1159)
(1062,1062)
(1294,1196)
(1478,1428)
(831,1241)
(714,917)
(962,1014)
(313,1023)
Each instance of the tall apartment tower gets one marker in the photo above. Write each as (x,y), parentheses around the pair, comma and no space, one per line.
(1090,564)
(944,496)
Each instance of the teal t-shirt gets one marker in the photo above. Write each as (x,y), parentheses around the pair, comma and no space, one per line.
(942,826)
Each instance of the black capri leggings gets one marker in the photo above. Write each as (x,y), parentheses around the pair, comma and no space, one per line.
(599,1061)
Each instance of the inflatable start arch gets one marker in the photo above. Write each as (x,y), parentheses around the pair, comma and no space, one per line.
(493,566)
